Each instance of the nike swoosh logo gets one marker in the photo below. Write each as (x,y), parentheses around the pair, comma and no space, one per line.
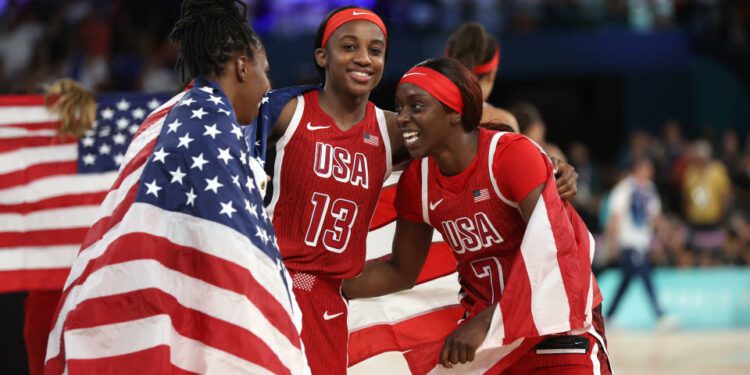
(326,316)
(355,13)
(413,74)
(433,205)
(311,127)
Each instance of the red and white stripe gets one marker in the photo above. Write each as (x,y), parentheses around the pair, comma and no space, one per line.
(135,298)
(45,206)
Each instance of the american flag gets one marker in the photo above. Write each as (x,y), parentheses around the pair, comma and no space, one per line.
(371,139)
(481,195)
(180,270)
(51,186)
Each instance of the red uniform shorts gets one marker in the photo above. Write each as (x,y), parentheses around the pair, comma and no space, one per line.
(325,334)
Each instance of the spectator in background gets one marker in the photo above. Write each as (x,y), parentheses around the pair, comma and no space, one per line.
(532,125)
(586,200)
(706,192)
(634,209)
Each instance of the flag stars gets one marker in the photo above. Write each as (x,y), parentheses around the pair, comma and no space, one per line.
(105,131)
(187,102)
(108,113)
(123,105)
(160,156)
(119,139)
(207,89)
(198,162)
(122,123)
(119,158)
(138,113)
(199,113)
(236,180)
(237,131)
(105,149)
(247,206)
(250,184)
(224,111)
(185,141)
(211,131)
(191,197)
(252,209)
(264,100)
(87,142)
(153,104)
(177,175)
(227,209)
(243,157)
(173,126)
(153,188)
(224,155)
(89,159)
(213,184)
(133,128)
(215,99)
(261,233)
(263,213)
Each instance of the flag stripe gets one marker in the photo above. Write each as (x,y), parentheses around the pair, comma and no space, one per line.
(56,186)
(75,217)
(20,135)
(49,237)
(426,327)
(403,305)
(37,172)
(185,353)
(46,279)
(42,257)
(54,202)
(32,114)
(153,359)
(19,160)
(213,332)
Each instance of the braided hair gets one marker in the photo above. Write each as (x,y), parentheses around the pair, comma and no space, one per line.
(208,31)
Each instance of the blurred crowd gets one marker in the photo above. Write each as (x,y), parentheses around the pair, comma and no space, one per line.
(704,186)
(123,45)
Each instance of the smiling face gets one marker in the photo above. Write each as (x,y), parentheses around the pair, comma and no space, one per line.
(424,122)
(354,57)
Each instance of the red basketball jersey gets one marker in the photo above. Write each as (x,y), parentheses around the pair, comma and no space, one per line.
(542,281)
(326,184)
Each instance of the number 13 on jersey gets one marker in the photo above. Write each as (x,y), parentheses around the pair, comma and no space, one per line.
(331,221)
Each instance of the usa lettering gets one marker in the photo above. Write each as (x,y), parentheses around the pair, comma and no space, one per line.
(471,234)
(338,163)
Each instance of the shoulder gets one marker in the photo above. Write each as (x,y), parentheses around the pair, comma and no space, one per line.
(491,113)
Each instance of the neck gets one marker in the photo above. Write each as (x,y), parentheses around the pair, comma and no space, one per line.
(458,153)
(347,110)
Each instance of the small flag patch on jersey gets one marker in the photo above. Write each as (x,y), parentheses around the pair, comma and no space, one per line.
(371,139)
(481,195)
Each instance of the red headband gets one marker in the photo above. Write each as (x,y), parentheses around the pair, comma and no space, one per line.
(437,85)
(348,15)
(489,66)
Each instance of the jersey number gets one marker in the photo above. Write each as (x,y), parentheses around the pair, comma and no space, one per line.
(490,269)
(335,230)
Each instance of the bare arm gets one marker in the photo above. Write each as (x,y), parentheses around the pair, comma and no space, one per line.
(410,246)
(282,123)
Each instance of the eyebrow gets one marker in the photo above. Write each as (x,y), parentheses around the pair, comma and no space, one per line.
(350,36)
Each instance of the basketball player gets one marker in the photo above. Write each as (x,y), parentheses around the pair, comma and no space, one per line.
(523,255)
(479,51)
(334,150)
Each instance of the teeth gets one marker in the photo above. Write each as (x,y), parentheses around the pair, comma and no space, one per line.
(410,137)
(361,74)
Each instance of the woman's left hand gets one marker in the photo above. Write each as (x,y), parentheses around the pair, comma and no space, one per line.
(566,179)
(462,344)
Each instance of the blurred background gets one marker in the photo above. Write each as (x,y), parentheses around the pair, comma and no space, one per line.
(614,81)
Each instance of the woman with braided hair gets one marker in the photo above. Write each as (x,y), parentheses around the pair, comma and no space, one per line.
(181,273)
